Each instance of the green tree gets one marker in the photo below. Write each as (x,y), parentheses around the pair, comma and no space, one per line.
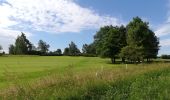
(43,46)
(139,35)
(0,47)
(22,45)
(132,53)
(73,50)
(11,49)
(85,48)
(89,49)
(109,40)
(151,46)
(58,52)
(1,53)
(66,51)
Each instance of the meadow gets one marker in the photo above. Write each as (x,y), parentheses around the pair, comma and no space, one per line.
(64,77)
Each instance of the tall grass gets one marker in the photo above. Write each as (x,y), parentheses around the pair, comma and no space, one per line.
(143,81)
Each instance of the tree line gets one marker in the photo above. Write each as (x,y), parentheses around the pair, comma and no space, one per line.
(134,42)
(23,46)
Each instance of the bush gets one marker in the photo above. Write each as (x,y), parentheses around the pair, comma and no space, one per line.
(165,56)
(89,55)
(33,52)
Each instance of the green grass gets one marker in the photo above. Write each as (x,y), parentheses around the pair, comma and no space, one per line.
(41,78)
(28,67)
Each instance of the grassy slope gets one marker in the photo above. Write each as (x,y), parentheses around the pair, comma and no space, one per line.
(83,78)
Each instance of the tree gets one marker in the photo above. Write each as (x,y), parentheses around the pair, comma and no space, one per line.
(165,56)
(139,35)
(0,47)
(43,46)
(151,46)
(22,45)
(132,53)
(85,48)
(58,52)
(66,51)
(1,53)
(109,40)
(11,49)
(73,50)
(89,49)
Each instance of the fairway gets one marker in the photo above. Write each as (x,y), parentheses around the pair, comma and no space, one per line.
(32,67)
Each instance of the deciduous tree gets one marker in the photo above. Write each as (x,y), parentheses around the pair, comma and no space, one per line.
(43,46)
(109,40)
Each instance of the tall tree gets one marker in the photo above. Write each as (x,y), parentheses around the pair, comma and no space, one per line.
(109,40)
(89,49)
(58,52)
(1,52)
(73,50)
(43,46)
(85,48)
(0,47)
(22,45)
(11,49)
(139,35)
(66,51)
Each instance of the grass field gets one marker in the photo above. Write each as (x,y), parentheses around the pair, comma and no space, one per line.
(38,78)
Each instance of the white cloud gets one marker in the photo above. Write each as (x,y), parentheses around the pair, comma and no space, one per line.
(51,16)
(8,33)
(55,16)
(163,30)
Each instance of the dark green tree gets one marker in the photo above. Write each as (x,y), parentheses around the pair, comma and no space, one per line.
(85,48)
(89,50)
(132,53)
(151,46)
(66,51)
(43,47)
(11,49)
(0,47)
(109,40)
(1,53)
(73,50)
(22,45)
(139,35)
(58,52)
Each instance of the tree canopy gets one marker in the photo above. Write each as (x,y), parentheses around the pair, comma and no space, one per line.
(134,42)
(73,50)
(11,49)
(22,45)
(89,50)
(139,35)
(43,46)
(109,40)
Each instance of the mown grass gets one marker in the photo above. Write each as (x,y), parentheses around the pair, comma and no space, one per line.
(83,78)
(28,68)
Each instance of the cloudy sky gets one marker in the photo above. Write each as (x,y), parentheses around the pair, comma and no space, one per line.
(58,22)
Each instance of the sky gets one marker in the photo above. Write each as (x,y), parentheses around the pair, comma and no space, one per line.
(58,22)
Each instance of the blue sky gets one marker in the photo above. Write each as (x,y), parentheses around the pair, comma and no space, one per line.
(58,22)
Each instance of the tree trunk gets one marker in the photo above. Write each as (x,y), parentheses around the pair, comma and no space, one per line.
(123,60)
(147,59)
(113,60)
